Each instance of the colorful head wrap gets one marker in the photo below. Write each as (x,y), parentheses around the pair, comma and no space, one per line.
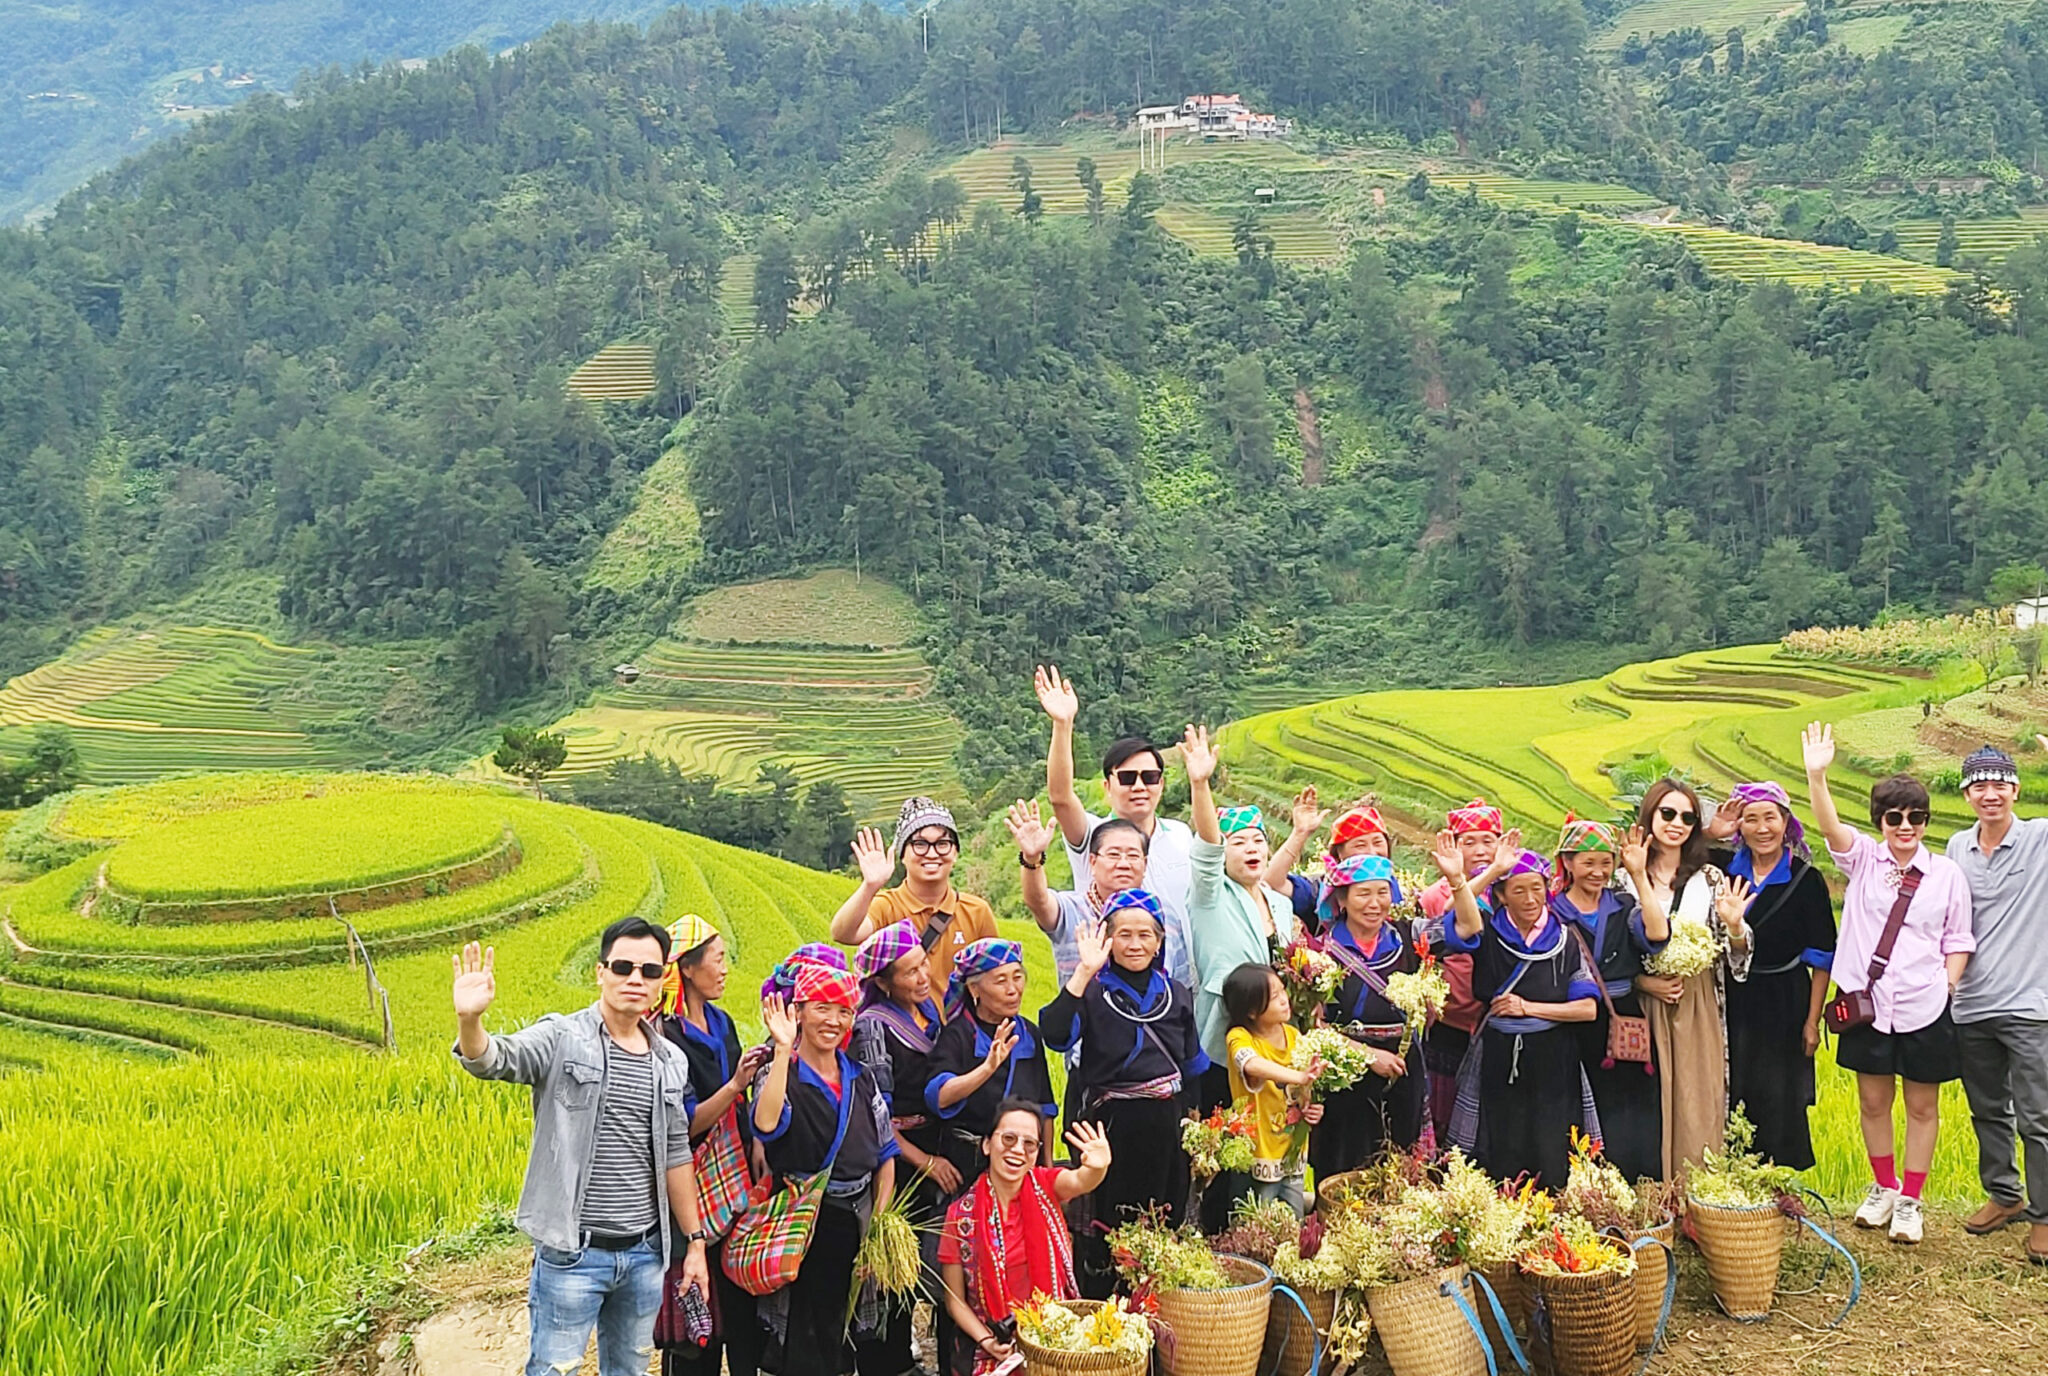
(783,981)
(686,933)
(1339,875)
(1769,791)
(1528,862)
(822,984)
(1136,898)
(917,814)
(885,948)
(975,959)
(1580,835)
(1359,821)
(1235,819)
(1989,764)
(1477,815)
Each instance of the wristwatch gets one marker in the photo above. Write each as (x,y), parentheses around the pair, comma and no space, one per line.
(698,1235)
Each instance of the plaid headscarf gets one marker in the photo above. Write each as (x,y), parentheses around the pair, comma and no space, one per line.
(1528,862)
(1991,764)
(1236,819)
(1580,835)
(1135,898)
(822,984)
(977,958)
(783,981)
(1769,791)
(916,815)
(1359,821)
(885,948)
(1477,815)
(685,934)
(1339,875)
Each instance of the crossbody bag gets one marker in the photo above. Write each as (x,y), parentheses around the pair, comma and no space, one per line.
(1857,1007)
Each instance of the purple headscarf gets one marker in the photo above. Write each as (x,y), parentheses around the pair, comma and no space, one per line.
(783,981)
(1769,791)
(884,949)
(1528,862)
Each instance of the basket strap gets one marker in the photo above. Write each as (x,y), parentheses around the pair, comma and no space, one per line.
(1315,1361)
(1500,1317)
(1670,1290)
(1855,1271)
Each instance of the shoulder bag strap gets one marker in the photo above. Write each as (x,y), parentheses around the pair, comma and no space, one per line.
(1507,987)
(846,1088)
(1593,961)
(1881,958)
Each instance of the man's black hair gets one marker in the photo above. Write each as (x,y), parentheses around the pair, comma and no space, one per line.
(630,927)
(1113,825)
(1127,749)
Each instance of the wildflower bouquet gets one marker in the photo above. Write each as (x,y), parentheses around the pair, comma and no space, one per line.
(1420,996)
(1345,1062)
(1594,1190)
(1310,977)
(1259,1230)
(1113,1327)
(1331,1257)
(1220,1142)
(1737,1178)
(1152,1257)
(1693,948)
(1575,1248)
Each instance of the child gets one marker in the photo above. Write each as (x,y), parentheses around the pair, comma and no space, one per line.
(1263,1079)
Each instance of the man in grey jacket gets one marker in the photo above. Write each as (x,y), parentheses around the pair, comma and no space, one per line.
(611,1161)
(2001,1005)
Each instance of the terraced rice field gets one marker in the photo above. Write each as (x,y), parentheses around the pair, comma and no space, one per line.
(1726,715)
(617,372)
(1751,258)
(736,296)
(985,173)
(1298,236)
(1989,240)
(141,703)
(174,1077)
(1715,16)
(1534,193)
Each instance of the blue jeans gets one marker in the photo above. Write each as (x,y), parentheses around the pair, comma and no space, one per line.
(617,1293)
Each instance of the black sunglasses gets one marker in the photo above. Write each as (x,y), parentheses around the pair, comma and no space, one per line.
(622,968)
(1906,817)
(1131,778)
(1672,814)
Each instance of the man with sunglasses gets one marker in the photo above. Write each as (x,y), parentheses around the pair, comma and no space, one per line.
(1904,1034)
(2001,1005)
(947,921)
(1134,782)
(611,1166)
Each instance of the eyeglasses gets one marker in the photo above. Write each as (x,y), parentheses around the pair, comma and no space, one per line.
(623,968)
(926,845)
(1121,857)
(1131,778)
(1906,817)
(1012,1141)
(1672,814)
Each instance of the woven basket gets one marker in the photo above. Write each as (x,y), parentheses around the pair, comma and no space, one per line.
(1651,1264)
(1219,1332)
(1506,1280)
(1325,1203)
(1046,1361)
(1290,1343)
(1590,1322)
(1422,1330)
(1743,1248)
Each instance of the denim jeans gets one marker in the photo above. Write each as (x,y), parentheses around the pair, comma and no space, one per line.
(617,1293)
(1288,1191)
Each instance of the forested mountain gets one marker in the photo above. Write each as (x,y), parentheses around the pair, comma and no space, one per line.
(90,82)
(328,339)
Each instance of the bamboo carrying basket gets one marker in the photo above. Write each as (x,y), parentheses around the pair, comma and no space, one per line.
(1506,1280)
(1325,1189)
(1651,1265)
(1422,1330)
(1743,1248)
(1589,1322)
(1290,1343)
(1219,1332)
(1047,1361)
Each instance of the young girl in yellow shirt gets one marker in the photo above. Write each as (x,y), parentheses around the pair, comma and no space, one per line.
(1263,1079)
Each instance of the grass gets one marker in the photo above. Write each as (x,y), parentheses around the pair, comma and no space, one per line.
(1298,236)
(1537,193)
(1715,16)
(659,541)
(1989,240)
(830,607)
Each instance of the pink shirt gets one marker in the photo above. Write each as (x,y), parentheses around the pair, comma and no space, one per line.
(1914,989)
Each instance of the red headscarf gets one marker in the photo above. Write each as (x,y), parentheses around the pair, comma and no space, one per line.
(1477,815)
(822,984)
(1360,821)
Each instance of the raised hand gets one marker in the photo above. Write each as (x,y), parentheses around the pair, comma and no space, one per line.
(475,985)
(1092,944)
(780,1020)
(1817,744)
(1197,756)
(1449,862)
(1027,825)
(1055,694)
(1001,1045)
(1090,1145)
(1307,817)
(1510,844)
(751,1061)
(877,866)
(1635,851)
(1733,901)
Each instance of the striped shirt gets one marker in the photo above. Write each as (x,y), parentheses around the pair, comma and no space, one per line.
(619,1199)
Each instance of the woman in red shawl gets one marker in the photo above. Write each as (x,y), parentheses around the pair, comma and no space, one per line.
(1006,1241)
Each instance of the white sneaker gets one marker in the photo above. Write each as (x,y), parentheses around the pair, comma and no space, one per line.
(1878,1204)
(1906,1219)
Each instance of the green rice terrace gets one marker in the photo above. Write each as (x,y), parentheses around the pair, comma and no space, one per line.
(820,674)
(176,1074)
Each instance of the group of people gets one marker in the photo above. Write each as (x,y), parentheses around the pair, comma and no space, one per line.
(911,1062)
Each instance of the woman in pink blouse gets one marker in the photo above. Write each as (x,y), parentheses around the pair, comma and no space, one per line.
(1911,1037)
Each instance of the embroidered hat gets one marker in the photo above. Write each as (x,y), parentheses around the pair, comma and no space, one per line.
(917,814)
(1989,764)
(884,949)
(1235,819)
(1477,815)
(1339,875)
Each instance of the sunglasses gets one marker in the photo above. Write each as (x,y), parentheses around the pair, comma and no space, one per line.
(923,845)
(1131,778)
(623,968)
(1012,1141)
(1672,814)
(1906,817)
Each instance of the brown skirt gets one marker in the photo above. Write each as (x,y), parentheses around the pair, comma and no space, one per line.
(1692,1050)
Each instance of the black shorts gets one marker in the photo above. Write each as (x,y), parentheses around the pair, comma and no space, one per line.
(1929,1056)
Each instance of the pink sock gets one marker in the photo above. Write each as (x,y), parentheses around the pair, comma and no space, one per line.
(1916,1181)
(1883,1170)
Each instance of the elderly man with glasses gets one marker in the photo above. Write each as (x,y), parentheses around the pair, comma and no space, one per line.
(927,842)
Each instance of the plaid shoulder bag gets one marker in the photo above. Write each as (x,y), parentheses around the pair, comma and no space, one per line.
(766,1247)
(723,1180)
